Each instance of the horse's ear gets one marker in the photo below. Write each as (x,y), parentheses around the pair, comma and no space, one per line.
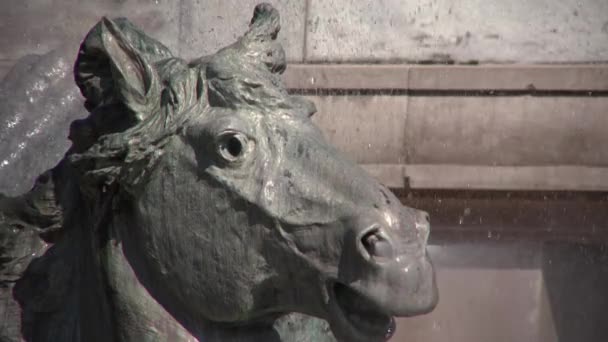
(135,80)
(109,69)
(265,23)
(261,38)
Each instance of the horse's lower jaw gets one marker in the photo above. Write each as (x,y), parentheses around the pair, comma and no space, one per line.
(353,317)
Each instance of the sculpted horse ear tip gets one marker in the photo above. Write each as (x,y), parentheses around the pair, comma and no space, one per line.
(111,27)
(112,37)
(265,21)
(111,67)
(264,11)
(107,22)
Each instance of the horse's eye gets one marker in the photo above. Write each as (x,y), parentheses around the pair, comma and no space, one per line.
(232,146)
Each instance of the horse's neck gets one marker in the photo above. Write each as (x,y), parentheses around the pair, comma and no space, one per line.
(84,290)
(142,318)
(139,317)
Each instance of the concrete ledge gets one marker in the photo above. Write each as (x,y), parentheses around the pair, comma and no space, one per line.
(511,78)
(346,76)
(467,130)
(531,178)
(529,78)
(466,177)
(391,175)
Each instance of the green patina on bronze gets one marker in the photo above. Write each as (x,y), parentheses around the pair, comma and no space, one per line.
(199,202)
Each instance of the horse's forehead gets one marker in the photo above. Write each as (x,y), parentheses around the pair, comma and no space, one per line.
(288,125)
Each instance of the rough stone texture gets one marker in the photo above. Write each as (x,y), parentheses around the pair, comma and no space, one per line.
(544,77)
(524,178)
(468,30)
(207,26)
(467,130)
(341,30)
(40,26)
(530,78)
(369,129)
(507,130)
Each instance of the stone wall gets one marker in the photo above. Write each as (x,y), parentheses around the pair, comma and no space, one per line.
(489,291)
(464,31)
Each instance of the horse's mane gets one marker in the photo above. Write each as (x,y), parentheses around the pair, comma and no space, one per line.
(123,136)
(119,143)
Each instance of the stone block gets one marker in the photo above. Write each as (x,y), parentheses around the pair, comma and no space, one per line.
(507,130)
(369,129)
(40,26)
(461,31)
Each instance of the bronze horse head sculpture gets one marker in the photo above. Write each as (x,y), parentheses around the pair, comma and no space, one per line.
(199,202)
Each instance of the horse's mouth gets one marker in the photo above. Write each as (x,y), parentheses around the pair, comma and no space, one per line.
(360,315)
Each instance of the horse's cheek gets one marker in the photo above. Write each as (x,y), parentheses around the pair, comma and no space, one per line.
(194,231)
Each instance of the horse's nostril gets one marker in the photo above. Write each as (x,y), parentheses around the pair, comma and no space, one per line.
(376,245)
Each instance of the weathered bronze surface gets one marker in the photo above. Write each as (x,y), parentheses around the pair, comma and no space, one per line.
(199,202)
